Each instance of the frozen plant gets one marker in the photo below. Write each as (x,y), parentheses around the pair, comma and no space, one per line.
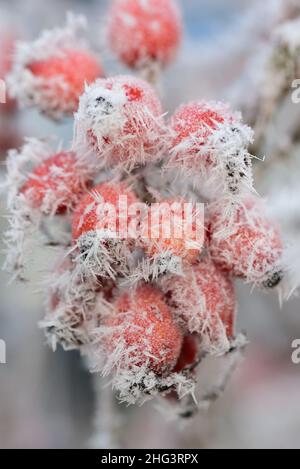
(143,304)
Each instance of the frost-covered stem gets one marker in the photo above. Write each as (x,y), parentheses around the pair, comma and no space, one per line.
(231,361)
(107,419)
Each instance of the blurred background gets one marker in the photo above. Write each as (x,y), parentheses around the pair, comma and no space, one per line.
(47,399)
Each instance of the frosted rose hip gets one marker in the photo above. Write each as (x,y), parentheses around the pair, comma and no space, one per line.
(251,247)
(144,326)
(61,79)
(120,120)
(144,31)
(101,231)
(56,184)
(204,300)
(50,73)
(210,142)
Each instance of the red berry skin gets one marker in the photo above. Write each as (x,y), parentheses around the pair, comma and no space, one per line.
(188,354)
(253,246)
(65,75)
(86,219)
(143,31)
(203,299)
(143,321)
(58,178)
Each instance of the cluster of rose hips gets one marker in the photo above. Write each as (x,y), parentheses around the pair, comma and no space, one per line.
(143,309)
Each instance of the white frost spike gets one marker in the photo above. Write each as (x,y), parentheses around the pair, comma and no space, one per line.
(123,362)
(137,386)
(151,269)
(22,223)
(100,254)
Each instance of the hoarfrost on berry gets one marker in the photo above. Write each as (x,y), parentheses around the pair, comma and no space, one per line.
(99,230)
(203,299)
(50,72)
(210,142)
(172,234)
(252,248)
(57,184)
(120,120)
